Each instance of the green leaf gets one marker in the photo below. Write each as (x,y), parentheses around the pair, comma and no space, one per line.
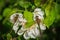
(24,4)
(29,17)
(2,4)
(18,38)
(9,36)
(0,17)
(9,14)
(50,17)
(37,2)
(33,7)
(50,11)
(6,12)
(57,7)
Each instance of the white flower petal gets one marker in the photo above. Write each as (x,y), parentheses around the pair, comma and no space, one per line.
(37,9)
(31,34)
(37,32)
(24,20)
(13,16)
(20,32)
(26,36)
(24,29)
(40,17)
(20,19)
(42,26)
(15,26)
(20,15)
(38,12)
(41,13)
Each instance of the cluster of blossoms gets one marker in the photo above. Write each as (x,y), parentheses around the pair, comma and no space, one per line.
(32,32)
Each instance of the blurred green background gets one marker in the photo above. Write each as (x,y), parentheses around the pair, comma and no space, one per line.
(51,17)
